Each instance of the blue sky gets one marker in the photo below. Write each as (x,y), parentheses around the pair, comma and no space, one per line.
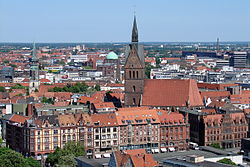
(111,20)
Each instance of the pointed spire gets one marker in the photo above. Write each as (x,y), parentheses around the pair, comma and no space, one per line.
(134,31)
(34,52)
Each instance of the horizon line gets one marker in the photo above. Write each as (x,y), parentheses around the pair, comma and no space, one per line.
(138,42)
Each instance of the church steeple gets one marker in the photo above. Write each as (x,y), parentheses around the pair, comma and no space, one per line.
(134,31)
(34,71)
(134,71)
(34,58)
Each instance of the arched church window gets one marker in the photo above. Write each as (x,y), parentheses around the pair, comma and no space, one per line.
(133,88)
(133,74)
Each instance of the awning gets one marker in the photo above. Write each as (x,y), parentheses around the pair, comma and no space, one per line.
(106,155)
(171,149)
(98,156)
(163,150)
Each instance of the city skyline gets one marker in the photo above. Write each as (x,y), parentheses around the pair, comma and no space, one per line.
(109,21)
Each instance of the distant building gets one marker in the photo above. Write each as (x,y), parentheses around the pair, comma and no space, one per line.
(222,63)
(238,59)
(7,74)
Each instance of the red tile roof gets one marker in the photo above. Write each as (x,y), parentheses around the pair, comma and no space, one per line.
(171,117)
(136,116)
(214,86)
(104,120)
(215,94)
(104,105)
(138,157)
(171,92)
(18,118)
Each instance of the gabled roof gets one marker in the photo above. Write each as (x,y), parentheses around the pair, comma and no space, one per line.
(171,92)
(138,158)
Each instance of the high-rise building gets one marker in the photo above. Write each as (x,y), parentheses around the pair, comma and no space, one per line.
(134,71)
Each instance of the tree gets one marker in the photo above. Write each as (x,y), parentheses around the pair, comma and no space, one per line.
(19,86)
(6,61)
(2,89)
(97,87)
(227,161)
(66,155)
(47,100)
(67,161)
(13,65)
(215,145)
(148,70)
(158,62)
(32,162)
(11,158)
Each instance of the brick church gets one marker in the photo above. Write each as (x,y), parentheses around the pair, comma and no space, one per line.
(151,92)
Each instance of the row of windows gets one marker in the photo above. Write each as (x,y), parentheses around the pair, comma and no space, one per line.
(133,74)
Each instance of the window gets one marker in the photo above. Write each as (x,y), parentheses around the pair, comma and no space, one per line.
(46,132)
(114,129)
(130,74)
(137,74)
(96,137)
(55,131)
(47,147)
(38,147)
(133,74)
(133,88)
(46,139)
(55,139)
(134,101)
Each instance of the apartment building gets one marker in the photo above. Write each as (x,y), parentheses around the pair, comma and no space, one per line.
(101,134)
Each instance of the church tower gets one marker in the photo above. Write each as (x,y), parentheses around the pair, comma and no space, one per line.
(34,72)
(134,71)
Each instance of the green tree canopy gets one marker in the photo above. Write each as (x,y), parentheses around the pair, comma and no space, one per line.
(2,89)
(19,86)
(66,155)
(77,88)
(227,161)
(11,158)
